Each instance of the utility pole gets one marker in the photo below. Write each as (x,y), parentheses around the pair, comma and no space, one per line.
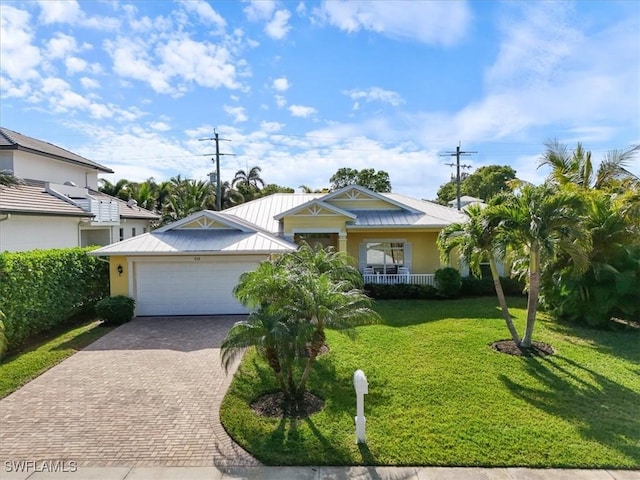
(458,153)
(217,139)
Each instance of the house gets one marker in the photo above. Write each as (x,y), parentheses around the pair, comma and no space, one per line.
(191,266)
(59,204)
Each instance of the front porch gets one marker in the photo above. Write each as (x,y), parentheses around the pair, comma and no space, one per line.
(399,278)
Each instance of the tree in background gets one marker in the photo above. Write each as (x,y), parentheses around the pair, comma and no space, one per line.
(484,183)
(248,182)
(272,188)
(7,179)
(368,178)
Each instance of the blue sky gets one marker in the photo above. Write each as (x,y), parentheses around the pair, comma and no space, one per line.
(304,88)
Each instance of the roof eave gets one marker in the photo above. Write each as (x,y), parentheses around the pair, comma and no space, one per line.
(100,168)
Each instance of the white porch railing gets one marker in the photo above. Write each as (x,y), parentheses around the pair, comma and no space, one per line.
(394,279)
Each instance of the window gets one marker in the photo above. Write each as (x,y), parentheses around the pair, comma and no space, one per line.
(144,229)
(385,257)
(133,232)
(121,234)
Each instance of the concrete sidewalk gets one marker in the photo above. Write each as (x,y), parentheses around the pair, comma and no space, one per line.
(317,473)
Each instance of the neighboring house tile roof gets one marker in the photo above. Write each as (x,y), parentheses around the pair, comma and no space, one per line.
(10,140)
(32,198)
(175,238)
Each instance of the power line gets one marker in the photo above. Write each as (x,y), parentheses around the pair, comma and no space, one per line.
(458,153)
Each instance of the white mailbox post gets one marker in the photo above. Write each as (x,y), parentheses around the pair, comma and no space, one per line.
(362,387)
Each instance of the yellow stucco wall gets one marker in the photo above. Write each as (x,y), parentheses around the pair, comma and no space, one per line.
(317,223)
(425,257)
(119,283)
(362,204)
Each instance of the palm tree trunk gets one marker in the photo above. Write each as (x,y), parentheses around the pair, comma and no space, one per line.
(534,291)
(502,300)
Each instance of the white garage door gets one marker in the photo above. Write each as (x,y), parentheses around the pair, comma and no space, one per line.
(189,288)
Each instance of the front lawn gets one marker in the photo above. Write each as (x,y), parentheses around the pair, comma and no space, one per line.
(38,357)
(439,395)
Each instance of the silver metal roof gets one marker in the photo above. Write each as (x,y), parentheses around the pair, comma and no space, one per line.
(186,242)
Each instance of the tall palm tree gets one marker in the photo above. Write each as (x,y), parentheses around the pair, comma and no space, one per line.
(577,168)
(478,239)
(117,189)
(230,196)
(539,222)
(249,178)
(187,197)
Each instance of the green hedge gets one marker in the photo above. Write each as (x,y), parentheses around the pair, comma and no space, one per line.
(401,291)
(41,289)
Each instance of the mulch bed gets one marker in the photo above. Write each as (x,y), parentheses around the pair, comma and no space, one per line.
(538,349)
(273,405)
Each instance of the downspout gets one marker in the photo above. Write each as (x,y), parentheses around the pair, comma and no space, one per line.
(7,216)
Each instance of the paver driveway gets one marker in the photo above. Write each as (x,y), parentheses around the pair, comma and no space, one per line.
(146,394)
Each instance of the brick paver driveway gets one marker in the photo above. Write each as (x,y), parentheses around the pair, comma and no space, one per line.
(146,394)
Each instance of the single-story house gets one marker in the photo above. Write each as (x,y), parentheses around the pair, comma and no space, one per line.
(191,266)
(59,204)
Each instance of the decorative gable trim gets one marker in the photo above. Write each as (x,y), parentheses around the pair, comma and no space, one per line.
(207,219)
(358,193)
(316,208)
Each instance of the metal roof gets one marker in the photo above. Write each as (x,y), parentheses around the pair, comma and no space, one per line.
(192,241)
(10,140)
(33,198)
(262,211)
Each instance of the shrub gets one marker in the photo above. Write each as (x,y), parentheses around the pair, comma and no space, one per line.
(400,291)
(42,289)
(480,287)
(3,337)
(448,282)
(116,310)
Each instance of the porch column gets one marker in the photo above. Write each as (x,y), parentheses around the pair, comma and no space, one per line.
(342,242)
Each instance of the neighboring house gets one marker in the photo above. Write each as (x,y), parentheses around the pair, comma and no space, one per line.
(59,204)
(191,266)
(465,201)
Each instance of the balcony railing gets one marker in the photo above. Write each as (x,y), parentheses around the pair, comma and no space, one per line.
(104,210)
(394,279)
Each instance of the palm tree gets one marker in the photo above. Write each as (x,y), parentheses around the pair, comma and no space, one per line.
(250,179)
(187,197)
(539,222)
(230,196)
(115,190)
(476,240)
(576,167)
(8,179)
(298,295)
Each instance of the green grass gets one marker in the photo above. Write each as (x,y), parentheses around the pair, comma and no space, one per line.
(33,360)
(439,395)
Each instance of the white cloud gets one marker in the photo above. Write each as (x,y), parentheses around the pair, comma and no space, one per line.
(59,11)
(281,102)
(75,65)
(440,23)
(278,27)
(61,45)
(19,56)
(281,84)
(159,126)
(260,10)
(206,13)
(376,94)
(89,83)
(271,127)
(302,111)
(238,113)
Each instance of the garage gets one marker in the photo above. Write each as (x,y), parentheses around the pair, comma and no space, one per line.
(202,287)
(191,266)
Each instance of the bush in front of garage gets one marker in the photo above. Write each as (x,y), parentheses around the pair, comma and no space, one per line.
(116,310)
(43,289)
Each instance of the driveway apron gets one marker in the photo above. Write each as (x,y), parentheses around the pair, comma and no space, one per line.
(146,394)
